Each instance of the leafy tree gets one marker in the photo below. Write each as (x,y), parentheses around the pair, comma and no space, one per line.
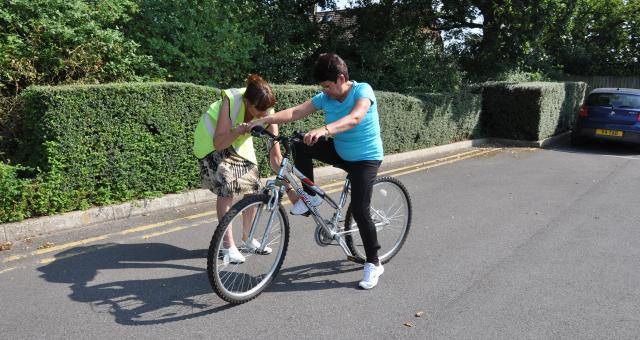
(49,42)
(291,39)
(600,38)
(200,41)
(67,41)
(393,46)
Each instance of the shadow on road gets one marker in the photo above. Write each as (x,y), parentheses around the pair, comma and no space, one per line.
(604,148)
(140,300)
(116,279)
(314,277)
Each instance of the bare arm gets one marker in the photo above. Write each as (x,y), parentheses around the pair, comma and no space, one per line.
(343,124)
(287,115)
(225,135)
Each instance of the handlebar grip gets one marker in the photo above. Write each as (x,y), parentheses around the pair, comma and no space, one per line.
(258,131)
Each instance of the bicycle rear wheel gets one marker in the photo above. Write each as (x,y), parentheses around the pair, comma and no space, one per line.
(391,213)
(238,281)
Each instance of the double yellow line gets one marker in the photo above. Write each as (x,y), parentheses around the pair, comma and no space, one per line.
(331,187)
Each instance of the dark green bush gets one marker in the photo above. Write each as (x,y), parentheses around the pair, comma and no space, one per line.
(111,143)
(406,122)
(13,205)
(530,111)
(80,146)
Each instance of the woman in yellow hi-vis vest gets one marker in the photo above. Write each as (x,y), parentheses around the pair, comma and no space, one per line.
(223,143)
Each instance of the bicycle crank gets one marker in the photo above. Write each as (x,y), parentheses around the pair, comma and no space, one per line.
(322,238)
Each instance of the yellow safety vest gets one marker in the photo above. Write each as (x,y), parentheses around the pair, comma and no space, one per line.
(205,131)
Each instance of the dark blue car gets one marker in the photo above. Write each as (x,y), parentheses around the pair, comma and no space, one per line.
(611,114)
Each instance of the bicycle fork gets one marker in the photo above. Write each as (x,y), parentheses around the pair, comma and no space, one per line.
(272,207)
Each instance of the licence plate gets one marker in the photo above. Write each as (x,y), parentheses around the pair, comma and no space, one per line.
(615,133)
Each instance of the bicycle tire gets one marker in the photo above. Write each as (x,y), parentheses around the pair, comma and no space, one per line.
(217,262)
(389,249)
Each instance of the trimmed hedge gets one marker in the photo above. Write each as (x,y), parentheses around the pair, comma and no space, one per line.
(530,111)
(406,122)
(109,143)
(81,146)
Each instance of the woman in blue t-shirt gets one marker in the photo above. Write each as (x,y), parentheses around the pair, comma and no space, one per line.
(351,118)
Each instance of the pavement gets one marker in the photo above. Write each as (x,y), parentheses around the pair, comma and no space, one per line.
(505,243)
(35,227)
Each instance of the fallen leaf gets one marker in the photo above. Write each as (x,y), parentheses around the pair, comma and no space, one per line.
(5,246)
(419,313)
(46,245)
(408,324)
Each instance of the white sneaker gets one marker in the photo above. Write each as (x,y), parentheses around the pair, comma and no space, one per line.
(232,255)
(253,247)
(300,208)
(371,275)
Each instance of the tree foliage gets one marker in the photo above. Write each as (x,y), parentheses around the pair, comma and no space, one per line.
(291,39)
(391,44)
(199,41)
(68,41)
(584,37)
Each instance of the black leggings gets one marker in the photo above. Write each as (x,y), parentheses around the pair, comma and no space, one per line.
(360,173)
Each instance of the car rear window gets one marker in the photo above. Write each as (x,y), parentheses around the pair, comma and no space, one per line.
(614,99)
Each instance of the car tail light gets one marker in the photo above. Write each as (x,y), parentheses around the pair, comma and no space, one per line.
(584,111)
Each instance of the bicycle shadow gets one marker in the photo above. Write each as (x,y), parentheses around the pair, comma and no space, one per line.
(298,278)
(134,299)
(98,275)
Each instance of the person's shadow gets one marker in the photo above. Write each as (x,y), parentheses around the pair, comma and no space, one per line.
(98,275)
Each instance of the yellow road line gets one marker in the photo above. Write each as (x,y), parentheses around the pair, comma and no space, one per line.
(164,232)
(69,245)
(13,258)
(338,184)
(439,161)
(147,227)
(148,236)
(210,213)
(7,270)
(443,160)
(66,256)
(444,163)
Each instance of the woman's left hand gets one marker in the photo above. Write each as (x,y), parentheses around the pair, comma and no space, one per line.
(243,129)
(314,135)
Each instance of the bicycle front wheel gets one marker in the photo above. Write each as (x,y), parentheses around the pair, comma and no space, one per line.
(390,212)
(240,276)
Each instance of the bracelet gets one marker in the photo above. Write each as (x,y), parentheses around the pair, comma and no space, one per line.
(327,129)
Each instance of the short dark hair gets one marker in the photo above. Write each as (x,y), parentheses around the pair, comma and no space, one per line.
(328,67)
(259,93)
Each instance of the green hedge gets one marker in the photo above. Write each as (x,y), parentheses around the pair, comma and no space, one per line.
(109,143)
(530,111)
(406,122)
(81,146)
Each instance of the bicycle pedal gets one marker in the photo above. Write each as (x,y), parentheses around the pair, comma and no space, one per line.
(306,214)
(352,259)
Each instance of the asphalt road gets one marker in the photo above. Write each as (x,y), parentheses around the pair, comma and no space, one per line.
(518,243)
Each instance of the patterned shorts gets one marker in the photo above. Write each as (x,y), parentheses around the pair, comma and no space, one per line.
(226,174)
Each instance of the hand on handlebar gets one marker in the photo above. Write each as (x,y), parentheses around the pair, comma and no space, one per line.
(314,135)
(242,129)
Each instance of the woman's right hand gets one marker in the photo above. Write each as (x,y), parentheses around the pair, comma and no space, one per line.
(243,129)
(256,122)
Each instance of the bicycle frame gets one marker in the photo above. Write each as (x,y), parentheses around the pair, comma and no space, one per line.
(289,174)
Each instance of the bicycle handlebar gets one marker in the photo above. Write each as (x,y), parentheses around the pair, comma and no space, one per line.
(259,131)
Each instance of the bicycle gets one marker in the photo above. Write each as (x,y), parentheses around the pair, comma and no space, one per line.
(240,281)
